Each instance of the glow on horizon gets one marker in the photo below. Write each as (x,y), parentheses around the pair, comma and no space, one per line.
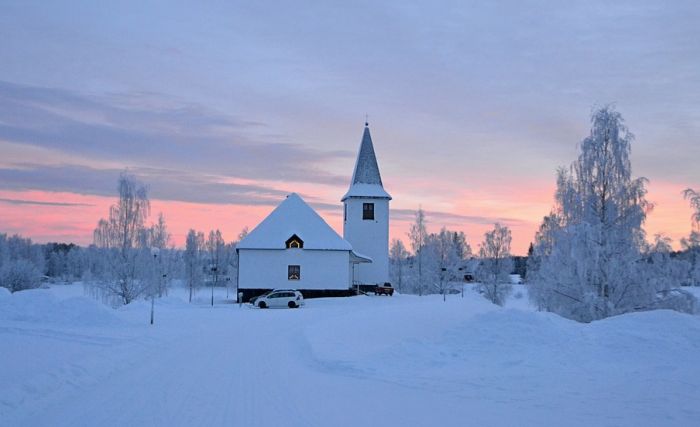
(76,219)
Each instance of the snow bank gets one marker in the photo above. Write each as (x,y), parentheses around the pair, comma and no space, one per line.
(460,362)
(40,306)
(538,364)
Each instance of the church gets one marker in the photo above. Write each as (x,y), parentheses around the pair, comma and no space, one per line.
(294,248)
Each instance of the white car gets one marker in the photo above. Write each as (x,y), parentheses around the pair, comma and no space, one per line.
(278,298)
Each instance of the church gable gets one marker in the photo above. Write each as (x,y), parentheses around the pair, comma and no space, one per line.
(294,218)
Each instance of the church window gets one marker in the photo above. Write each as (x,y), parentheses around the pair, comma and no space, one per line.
(368,211)
(293,272)
(294,242)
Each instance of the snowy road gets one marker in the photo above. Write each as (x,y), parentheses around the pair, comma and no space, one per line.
(352,361)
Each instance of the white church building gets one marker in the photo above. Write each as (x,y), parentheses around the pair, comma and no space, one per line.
(294,248)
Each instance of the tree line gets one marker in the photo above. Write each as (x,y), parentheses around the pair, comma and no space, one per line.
(127,259)
(590,258)
(441,262)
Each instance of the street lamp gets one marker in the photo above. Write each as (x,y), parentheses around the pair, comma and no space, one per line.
(213,273)
(155,252)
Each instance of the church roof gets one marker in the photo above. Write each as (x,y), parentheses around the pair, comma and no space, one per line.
(294,216)
(366,179)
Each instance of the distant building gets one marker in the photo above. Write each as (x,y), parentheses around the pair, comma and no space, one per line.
(293,247)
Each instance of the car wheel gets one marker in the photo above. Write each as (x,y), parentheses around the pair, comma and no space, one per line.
(291,304)
(262,304)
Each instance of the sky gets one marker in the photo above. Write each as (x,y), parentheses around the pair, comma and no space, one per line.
(223,108)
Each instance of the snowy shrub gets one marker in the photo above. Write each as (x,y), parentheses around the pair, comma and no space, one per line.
(676,299)
(17,275)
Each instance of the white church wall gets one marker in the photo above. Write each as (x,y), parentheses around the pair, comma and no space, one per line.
(369,237)
(267,269)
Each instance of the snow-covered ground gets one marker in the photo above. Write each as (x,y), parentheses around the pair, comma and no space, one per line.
(67,360)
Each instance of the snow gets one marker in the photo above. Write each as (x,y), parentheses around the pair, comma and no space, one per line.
(294,216)
(403,360)
(366,191)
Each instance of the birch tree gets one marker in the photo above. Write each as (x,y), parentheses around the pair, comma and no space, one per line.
(691,244)
(216,249)
(194,245)
(445,248)
(495,265)
(417,236)
(397,258)
(120,235)
(591,255)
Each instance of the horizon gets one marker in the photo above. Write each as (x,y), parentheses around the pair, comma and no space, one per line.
(222,110)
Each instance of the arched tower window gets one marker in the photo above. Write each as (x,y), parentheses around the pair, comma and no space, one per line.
(294,242)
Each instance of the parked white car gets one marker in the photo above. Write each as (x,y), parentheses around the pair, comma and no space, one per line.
(279,298)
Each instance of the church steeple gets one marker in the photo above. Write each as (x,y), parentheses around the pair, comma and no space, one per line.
(366,179)
(366,216)
(366,167)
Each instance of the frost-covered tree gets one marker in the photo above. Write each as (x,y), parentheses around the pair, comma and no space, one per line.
(76,263)
(417,235)
(4,249)
(542,248)
(19,274)
(22,263)
(194,248)
(691,244)
(121,235)
(495,265)
(694,198)
(158,237)
(397,261)
(590,253)
(462,248)
(666,274)
(242,235)
(216,249)
(444,250)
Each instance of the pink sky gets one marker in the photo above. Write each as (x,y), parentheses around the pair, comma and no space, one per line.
(223,108)
(75,223)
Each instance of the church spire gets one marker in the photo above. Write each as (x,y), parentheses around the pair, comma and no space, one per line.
(366,179)
(366,167)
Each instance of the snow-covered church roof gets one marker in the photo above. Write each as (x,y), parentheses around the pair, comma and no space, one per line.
(294,217)
(366,180)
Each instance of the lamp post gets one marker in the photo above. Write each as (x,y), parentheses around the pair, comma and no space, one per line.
(154,251)
(213,273)
(442,284)
(461,281)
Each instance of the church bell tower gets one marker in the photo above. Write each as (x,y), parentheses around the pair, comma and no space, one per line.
(366,215)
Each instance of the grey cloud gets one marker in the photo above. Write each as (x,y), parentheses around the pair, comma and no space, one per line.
(38,203)
(144,128)
(163,184)
(441,218)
